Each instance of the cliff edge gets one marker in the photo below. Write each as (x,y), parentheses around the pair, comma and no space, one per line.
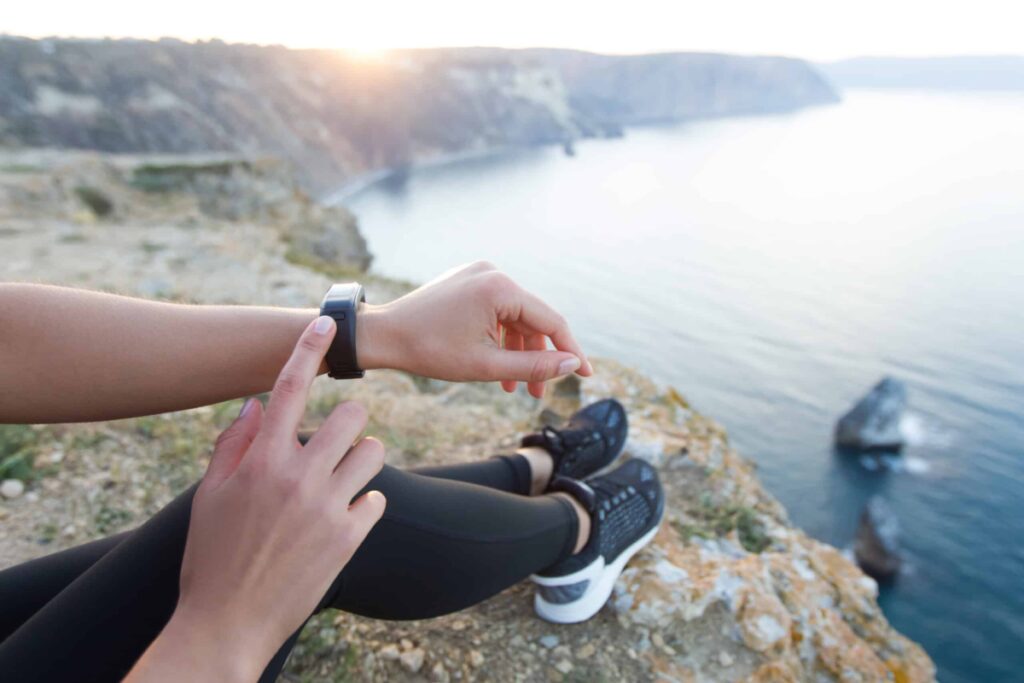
(728,591)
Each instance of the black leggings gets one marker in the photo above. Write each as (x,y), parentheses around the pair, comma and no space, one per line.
(450,537)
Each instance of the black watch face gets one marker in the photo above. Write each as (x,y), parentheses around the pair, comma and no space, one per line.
(341,303)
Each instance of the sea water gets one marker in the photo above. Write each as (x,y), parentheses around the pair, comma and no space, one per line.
(773,269)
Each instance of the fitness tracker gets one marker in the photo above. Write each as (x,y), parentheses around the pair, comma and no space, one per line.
(342,303)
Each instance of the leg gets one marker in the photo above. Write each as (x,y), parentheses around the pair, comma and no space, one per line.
(591,439)
(444,545)
(452,542)
(510,473)
(526,473)
(98,625)
(26,588)
(99,605)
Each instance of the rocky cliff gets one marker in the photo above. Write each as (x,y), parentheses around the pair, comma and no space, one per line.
(633,89)
(338,117)
(170,211)
(728,591)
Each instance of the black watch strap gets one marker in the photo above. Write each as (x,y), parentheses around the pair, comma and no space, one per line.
(342,303)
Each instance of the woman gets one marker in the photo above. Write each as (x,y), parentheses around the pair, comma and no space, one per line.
(217,584)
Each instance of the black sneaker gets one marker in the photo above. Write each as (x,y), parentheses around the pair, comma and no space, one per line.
(592,439)
(625,507)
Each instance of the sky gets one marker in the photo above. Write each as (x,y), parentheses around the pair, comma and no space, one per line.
(821,30)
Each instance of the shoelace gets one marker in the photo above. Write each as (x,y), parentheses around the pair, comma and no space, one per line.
(612,492)
(567,444)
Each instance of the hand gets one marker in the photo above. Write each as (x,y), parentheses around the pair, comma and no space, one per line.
(472,323)
(272,525)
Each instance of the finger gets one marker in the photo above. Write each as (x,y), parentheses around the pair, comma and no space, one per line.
(528,366)
(288,399)
(540,317)
(357,468)
(513,342)
(337,434)
(362,515)
(234,442)
(536,342)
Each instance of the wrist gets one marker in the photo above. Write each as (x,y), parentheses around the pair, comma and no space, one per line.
(214,648)
(375,338)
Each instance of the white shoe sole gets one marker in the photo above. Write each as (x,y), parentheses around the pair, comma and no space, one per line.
(602,580)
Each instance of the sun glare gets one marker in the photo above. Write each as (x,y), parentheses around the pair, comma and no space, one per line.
(366,54)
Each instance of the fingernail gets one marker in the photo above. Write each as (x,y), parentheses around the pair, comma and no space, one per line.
(568,365)
(246,407)
(323,324)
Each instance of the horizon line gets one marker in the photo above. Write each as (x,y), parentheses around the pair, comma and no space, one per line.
(610,53)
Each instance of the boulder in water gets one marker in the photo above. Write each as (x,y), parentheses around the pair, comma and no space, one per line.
(874,423)
(876,546)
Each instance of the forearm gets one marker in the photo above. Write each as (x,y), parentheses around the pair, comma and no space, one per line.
(69,355)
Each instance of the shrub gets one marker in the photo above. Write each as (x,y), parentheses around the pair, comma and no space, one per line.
(712,521)
(175,177)
(98,203)
(17,452)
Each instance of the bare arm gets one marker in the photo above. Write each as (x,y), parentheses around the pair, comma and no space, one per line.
(68,355)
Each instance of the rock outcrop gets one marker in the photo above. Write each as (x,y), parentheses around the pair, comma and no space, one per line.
(337,117)
(874,422)
(728,591)
(83,195)
(877,545)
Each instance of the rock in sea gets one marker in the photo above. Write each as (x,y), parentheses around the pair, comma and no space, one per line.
(874,423)
(877,544)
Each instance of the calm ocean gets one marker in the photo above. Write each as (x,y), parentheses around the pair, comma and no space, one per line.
(773,268)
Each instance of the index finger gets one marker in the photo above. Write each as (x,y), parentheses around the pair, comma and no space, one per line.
(539,317)
(288,398)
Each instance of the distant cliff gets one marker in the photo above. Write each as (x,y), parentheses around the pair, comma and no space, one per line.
(337,117)
(332,116)
(632,89)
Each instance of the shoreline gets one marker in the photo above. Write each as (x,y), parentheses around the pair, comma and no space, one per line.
(363,181)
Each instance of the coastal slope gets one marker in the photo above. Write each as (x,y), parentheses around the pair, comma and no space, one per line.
(337,117)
